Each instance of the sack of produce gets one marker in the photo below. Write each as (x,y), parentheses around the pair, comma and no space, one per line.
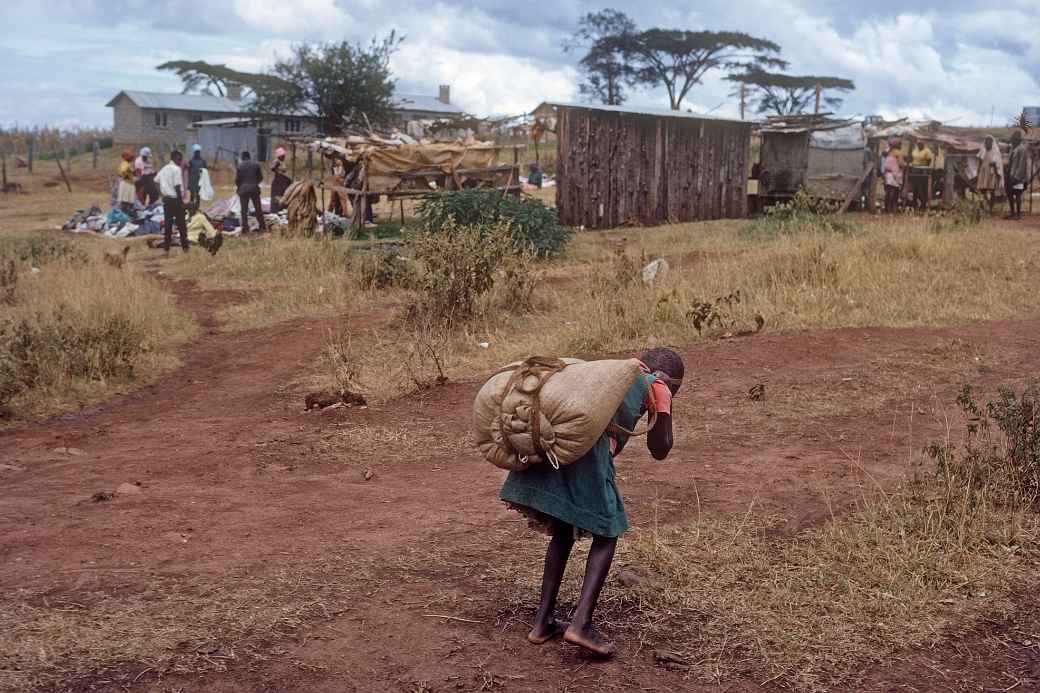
(549,410)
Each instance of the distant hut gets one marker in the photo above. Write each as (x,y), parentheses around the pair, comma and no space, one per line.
(641,166)
(826,158)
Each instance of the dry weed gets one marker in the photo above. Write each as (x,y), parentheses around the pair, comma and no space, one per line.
(172,626)
(285,278)
(77,330)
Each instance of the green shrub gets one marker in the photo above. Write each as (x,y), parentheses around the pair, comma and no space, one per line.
(1000,457)
(459,266)
(532,224)
(383,270)
(800,214)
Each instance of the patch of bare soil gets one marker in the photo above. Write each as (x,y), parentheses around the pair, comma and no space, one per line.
(237,484)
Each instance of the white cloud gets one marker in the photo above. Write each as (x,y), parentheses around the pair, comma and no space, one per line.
(952,61)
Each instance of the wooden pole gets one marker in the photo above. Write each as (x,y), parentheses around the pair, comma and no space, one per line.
(95,147)
(743,100)
(294,160)
(3,166)
(68,160)
(32,151)
(65,178)
(819,94)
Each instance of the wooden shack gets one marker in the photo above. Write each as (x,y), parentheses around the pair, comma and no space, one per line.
(619,166)
(826,158)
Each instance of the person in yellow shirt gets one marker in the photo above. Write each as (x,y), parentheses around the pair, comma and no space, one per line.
(125,194)
(922,156)
(921,159)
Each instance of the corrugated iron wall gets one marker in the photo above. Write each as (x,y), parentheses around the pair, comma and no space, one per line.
(616,169)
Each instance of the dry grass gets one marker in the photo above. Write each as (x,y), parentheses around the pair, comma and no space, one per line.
(284,278)
(79,331)
(171,626)
(592,302)
(729,598)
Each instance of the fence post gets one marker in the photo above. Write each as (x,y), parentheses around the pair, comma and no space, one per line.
(96,147)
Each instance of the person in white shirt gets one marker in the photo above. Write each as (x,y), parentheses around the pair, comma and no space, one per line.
(173,201)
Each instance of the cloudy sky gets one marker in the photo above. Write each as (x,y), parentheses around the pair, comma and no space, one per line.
(962,62)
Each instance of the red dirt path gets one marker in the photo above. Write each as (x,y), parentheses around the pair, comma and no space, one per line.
(225,455)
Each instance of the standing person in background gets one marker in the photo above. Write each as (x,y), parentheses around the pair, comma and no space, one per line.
(195,167)
(126,192)
(1018,174)
(247,181)
(991,171)
(893,172)
(280,182)
(145,177)
(921,162)
(170,181)
(534,176)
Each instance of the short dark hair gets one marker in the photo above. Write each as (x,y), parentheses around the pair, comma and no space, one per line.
(176,155)
(245,154)
(665,360)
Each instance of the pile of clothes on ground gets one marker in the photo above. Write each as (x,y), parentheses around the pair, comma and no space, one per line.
(143,220)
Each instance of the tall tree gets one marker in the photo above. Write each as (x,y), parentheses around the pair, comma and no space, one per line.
(198,75)
(341,84)
(785,95)
(605,72)
(678,60)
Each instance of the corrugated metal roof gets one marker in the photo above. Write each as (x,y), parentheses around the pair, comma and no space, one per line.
(180,102)
(225,121)
(657,112)
(418,102)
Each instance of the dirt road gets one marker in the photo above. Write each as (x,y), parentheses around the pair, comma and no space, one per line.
(234,482)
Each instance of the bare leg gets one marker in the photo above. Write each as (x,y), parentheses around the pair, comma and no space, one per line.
(545,625)
(581,632)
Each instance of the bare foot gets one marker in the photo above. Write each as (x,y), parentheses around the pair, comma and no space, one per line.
(544,632)
(591,640)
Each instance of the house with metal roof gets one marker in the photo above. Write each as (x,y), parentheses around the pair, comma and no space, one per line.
(143,117)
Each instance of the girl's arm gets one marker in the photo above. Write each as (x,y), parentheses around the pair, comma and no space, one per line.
(659,440)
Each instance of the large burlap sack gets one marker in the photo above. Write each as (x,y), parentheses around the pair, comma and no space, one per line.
(576,406)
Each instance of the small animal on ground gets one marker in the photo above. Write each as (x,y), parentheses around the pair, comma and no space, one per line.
(322,399)
(117,260)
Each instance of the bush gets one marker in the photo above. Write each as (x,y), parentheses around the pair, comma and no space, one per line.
(36,251)
(800,214)
(383,270)
(1000,458)
(460,263)
(532,224)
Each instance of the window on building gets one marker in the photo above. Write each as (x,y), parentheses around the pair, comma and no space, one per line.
(160,119)
(293,125)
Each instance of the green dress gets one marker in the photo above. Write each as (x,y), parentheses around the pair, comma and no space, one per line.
(583,494)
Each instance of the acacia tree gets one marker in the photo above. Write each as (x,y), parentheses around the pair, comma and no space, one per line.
(785,95)
(341,84)
(678,60)
(605,70)
(198,75)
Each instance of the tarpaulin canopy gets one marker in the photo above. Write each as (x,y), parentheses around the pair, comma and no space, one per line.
(925,131)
